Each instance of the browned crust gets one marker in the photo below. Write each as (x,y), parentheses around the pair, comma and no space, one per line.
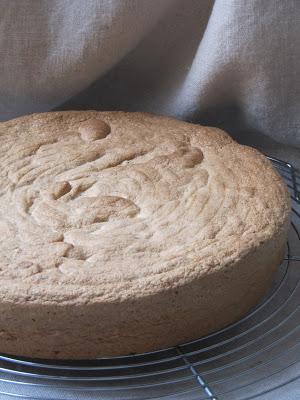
(82,316)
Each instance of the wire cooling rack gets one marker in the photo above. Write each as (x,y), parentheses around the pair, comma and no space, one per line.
(256,357)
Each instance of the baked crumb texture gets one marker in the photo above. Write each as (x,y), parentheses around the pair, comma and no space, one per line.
(129,232)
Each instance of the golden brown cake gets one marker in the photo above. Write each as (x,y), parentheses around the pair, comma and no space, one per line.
(128,232)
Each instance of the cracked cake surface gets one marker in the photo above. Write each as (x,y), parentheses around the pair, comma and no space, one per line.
(115,225)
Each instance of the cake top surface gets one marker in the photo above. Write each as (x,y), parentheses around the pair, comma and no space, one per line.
(106,205)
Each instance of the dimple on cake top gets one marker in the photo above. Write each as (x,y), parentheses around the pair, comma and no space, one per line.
(107,204)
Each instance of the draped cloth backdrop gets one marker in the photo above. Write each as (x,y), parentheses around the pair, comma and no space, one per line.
(229,63)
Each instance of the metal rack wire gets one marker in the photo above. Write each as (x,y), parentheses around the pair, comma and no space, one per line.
(256,356)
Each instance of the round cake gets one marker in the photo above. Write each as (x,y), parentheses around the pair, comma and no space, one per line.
(123,233)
